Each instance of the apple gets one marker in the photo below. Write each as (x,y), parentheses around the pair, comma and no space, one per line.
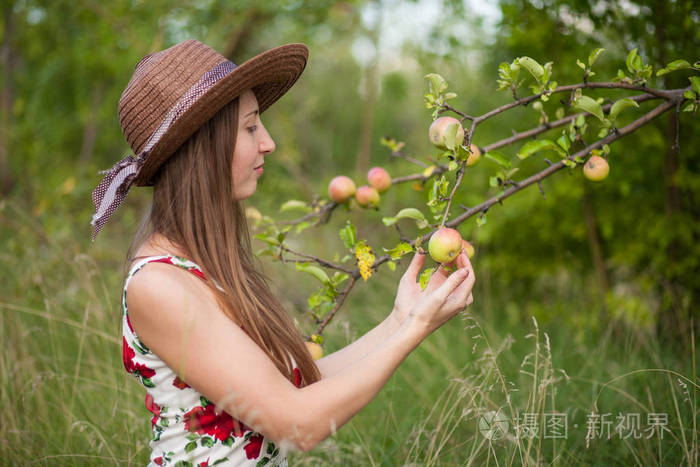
(468,249)
(437,130)
(596,168)
(379,178)
(474,156)
(341,188)
(314,349)
(445,245)
(367,196)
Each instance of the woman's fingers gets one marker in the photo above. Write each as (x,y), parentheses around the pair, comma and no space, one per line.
(452,282)
(415,267)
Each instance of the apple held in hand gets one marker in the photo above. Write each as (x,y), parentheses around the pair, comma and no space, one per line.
(314,349)
(445,245)
(367,196)
(596,168)
(438,129)
(379,178)
(341,188)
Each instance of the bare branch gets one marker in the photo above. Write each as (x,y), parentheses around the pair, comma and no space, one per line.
(343,295)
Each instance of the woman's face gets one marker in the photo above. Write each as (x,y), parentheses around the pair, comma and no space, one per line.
(252,143)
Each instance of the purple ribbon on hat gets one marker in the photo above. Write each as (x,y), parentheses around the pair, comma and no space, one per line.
(113,188)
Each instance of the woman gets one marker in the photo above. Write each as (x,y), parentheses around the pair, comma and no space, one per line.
(227,375)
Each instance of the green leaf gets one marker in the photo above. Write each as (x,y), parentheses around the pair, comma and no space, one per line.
(689,107)
(493,181)
(267,239)
(591,106)
(633,61)
(594,56)
(499,158)
(673,66)
(690,95)
(425,277)
(391,265)
(695,83)
(580,64)
(481,220)
(338,278)
(315,271)
(295,204)
(564,143)
(301,226)
(407,213)
(531,65)
(531,147)
(399,250)
(191,446)
(451,136)
(619,106)
(207,441)
(348,235)
(437,83)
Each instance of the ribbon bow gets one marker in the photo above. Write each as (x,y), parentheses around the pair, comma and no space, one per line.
(113,188)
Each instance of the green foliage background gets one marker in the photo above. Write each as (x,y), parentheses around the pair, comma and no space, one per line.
(67,398)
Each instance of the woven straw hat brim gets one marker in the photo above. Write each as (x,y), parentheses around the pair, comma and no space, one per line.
(269,75)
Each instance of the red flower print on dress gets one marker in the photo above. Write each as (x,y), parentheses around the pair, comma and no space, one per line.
(153,408)
(204,464)
(204,420)
(252,449)
(158,460)
(128,355)
(180,384)
(201,420)
(128,322)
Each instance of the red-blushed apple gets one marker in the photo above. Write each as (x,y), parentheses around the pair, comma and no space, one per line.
(341,188)
(379,178)
(596,168)
(445,245)
(314,349)
(466,248)
(438,128)
(367,196)
(474,156)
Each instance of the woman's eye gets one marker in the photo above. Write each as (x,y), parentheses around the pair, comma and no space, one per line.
(252,128)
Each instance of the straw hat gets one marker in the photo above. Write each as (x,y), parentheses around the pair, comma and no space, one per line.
(175,91)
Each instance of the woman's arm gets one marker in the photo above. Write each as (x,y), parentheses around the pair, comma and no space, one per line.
(342,358)
(176,316)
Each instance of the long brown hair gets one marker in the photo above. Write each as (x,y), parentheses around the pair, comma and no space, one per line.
(193,207)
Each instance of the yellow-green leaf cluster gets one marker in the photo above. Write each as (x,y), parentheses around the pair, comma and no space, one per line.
(365,259)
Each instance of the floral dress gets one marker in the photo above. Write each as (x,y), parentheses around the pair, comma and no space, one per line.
(188,430)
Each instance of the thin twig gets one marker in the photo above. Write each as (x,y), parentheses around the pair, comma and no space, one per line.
(343,295)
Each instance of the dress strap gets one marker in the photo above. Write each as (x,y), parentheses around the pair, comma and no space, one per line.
(179,261)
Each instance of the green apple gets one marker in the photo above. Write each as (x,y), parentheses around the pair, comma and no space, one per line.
(438,128)
(445,245)
(596,168)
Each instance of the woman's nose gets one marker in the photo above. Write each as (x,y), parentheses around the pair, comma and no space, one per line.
(267,145)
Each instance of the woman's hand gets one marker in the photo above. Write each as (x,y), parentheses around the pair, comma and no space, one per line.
(409,293)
